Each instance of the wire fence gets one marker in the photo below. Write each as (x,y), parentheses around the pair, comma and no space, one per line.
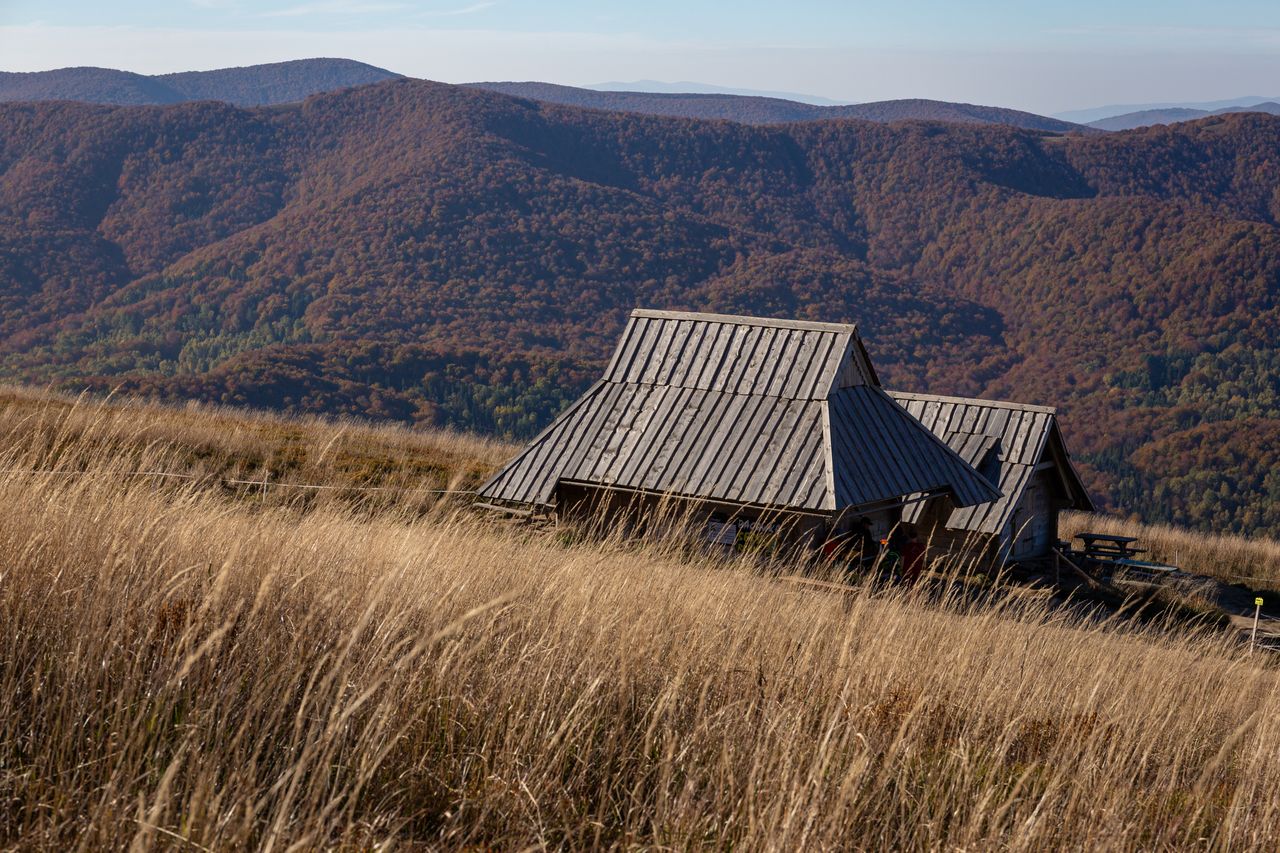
(264,483)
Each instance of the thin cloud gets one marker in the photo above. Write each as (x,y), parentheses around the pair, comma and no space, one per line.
(334,7)
(1166,33)
(465,10)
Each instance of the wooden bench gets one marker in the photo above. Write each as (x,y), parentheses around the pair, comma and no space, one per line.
(1142,570)
(1144,565)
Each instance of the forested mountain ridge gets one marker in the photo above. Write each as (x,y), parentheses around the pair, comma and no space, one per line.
(759,109)
(438,254)
(252,85)
(286,82)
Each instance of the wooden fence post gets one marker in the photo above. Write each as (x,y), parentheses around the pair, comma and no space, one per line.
(1253,635)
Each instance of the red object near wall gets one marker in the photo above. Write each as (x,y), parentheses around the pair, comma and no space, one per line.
(912,560)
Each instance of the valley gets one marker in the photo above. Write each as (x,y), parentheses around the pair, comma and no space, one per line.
(429,254)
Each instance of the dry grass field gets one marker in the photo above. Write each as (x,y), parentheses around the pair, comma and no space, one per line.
(1252,561)
(185,666)
(377,466)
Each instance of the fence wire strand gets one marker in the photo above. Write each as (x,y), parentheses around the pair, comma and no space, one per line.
(230,481)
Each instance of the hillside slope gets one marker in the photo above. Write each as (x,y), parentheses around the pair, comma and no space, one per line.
(755,109)
(428,253)
(240,671)
(253,85)
(92,85)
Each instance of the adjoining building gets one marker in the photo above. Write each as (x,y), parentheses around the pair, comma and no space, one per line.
(770,430)
(1019,448)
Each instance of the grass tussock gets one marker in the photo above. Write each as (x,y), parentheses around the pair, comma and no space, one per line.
(180,669)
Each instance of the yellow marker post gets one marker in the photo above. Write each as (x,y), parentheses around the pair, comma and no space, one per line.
(1257,608)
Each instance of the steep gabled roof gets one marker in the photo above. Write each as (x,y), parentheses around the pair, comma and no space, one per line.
(742,355)
(1018,434)
(745,410)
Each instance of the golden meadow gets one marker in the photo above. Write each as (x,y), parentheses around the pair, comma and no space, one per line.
(188,663)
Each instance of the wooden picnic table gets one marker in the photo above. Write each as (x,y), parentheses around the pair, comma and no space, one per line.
(1106,537)
(1108,545)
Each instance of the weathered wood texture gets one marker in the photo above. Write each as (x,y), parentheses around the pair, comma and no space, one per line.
(770,413)
(1005,441)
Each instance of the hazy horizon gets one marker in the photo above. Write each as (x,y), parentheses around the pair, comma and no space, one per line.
(992,52)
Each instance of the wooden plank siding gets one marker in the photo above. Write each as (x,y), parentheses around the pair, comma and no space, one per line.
(992,435)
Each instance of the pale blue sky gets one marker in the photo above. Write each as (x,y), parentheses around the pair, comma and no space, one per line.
(1045,57)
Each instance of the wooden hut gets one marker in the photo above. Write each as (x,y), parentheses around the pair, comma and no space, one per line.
(767,429)
(1016,446)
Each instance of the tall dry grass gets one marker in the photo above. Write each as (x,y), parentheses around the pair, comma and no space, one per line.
(374,465)
(182,669)
(1253,561)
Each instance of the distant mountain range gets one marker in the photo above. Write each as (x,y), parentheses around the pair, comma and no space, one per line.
(685,87)
(1092,114)
(1172,115)
(755,109)
(285,82)
(254,85)
(446,255)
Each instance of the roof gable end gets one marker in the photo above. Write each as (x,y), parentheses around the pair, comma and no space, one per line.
(1023,433)
(795,359)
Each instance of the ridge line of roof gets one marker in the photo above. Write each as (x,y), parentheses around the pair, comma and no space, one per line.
(816,398)
(744,320)
(973,401)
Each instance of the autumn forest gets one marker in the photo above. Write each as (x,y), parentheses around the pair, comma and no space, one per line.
(436,255)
